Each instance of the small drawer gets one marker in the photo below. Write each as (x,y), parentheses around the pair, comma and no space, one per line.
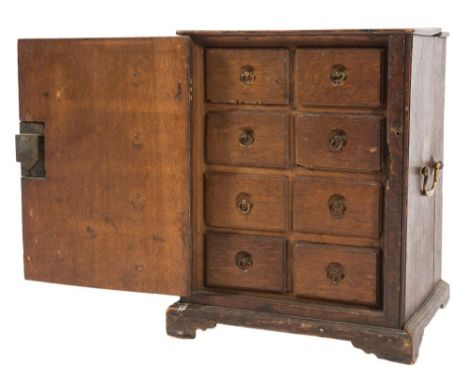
(247,138)
(244,262)
(245,201)
(336,141)
(341,77)
(340,207)
(336,273)
(256,76)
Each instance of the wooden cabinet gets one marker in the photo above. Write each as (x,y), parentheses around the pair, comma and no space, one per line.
(281,180)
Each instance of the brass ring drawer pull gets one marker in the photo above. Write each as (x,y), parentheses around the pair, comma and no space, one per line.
(337,140)
(244,261)
(338,74)
(425,172)
(246,137)
(244,203)
(247,75)
(335,273)
(337,206)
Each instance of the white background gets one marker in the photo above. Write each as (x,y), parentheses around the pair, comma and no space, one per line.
(61,333)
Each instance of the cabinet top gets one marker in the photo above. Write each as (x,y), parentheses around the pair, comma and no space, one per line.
(270,33)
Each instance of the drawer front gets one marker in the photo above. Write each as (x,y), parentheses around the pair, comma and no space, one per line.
(341,77)
(245,201)
(336,273)
(247,138)
(256,76)
(244,262)
(347,208)
(336,141)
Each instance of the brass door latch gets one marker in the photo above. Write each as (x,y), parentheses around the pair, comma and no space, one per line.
(30,149)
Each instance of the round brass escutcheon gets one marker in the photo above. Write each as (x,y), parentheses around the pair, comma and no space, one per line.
(337,139)
(247,74)
(246,137)
(244,203)
(338,74)
(335,273)
(337,205)
(244,261)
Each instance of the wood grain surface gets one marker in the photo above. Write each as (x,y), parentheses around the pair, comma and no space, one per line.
(267,272)
(360,278)
(184,318)
(424,218)
(311,211)
(361,87)
(362,148)
(114,209)
(223,68)
(270,147)
(290,34)
(267,195)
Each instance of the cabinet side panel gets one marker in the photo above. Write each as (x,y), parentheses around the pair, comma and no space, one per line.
(423,229)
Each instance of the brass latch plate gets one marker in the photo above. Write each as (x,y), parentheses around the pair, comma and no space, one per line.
(30,149)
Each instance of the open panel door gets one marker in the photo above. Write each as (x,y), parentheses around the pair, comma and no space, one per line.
(113,209)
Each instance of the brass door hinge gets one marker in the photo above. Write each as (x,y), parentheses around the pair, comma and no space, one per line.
(30,149)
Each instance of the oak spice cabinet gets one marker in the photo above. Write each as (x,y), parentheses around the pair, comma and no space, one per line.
(281,180)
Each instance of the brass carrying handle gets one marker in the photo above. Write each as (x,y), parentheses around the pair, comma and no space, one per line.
(425,172)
